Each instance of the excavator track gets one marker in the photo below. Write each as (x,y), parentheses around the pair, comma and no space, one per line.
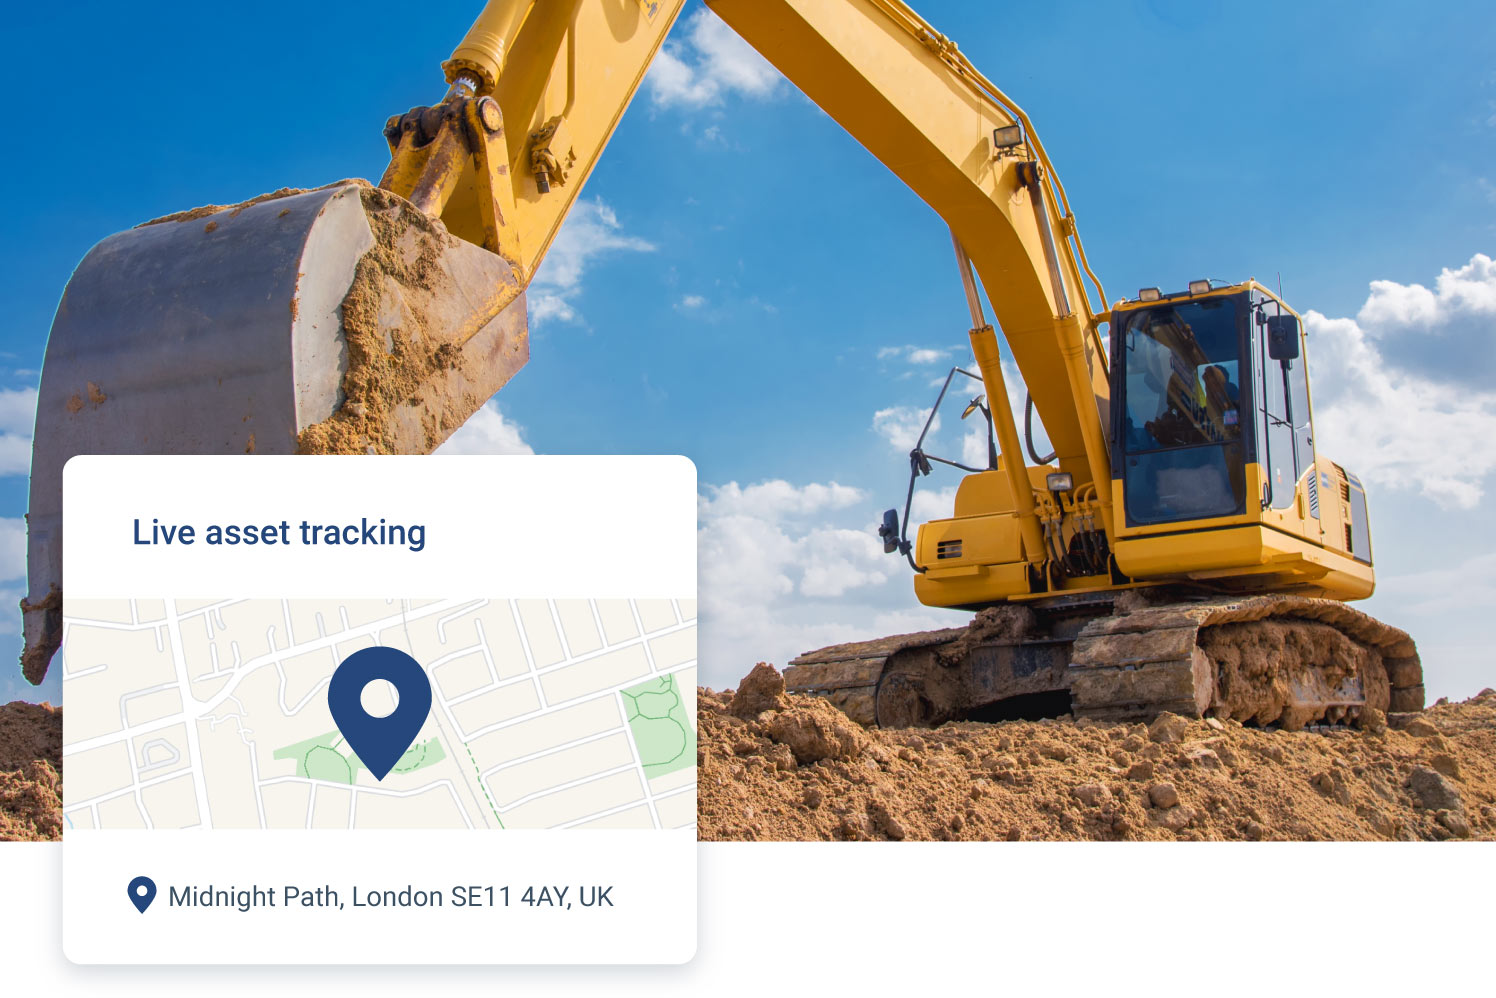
(848,674)
(1289,660)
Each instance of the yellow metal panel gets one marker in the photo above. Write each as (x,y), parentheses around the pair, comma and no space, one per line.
(990,539)
(993,584)
(988,491)
(1254,478)
(1276,560)
(582,61)
(983,492)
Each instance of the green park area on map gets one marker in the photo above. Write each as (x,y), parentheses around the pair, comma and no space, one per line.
(664,734)
(327,757)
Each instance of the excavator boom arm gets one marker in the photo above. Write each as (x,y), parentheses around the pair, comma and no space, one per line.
(561,74)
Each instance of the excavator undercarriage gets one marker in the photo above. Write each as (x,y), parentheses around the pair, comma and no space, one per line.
(1268,659)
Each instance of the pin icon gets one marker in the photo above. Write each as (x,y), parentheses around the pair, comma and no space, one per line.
(379,741)
(142,892)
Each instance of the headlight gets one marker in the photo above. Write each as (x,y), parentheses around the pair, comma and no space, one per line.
(1007,137)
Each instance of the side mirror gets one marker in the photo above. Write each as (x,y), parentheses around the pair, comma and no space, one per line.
(889,532)
(1282,337)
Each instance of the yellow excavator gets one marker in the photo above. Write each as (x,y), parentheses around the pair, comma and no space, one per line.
(1184,548)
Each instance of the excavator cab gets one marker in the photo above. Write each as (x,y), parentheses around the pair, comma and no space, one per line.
(1184,431)
(1216,482)
(1213,454)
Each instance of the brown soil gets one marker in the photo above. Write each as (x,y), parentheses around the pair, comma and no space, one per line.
(390,364)
(212,209)
(783,766)
(407,386)
(30,772)
(1255,661)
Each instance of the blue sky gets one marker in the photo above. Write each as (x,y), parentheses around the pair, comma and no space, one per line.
(744,284)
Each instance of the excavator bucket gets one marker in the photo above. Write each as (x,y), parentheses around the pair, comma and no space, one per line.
(339,320)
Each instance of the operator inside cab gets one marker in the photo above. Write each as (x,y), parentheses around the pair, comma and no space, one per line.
(1181,439)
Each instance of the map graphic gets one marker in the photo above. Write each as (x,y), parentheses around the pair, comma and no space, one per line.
(545,714)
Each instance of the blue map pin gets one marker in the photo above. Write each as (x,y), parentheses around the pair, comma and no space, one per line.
(142,892)
(379,741)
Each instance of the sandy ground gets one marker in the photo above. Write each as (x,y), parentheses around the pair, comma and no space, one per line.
(778,766)
(30,772)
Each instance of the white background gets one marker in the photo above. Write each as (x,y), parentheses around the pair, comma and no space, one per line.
(915,918)
(515,526)
(653,918)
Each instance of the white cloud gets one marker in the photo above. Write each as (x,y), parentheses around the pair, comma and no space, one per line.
(836,560)
(12,567)
(931,504)
(711,62)
(590,231)
(745,561)
(914,354)
(1400,423)
(974,452)
(1393,427)
(692,301)
(15,454)
(900,425)
(776,499)
(545,307)
(755,547)
(12,548)
(1448,331)
(487,432)
(905,621)
(1469,290)
(789,568)
(17,420)
(17,410)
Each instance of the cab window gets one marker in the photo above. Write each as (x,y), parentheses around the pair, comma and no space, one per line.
(1285,434)
(1182,416)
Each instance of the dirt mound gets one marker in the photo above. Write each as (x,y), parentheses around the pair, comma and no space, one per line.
(30,772)
(799,769)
